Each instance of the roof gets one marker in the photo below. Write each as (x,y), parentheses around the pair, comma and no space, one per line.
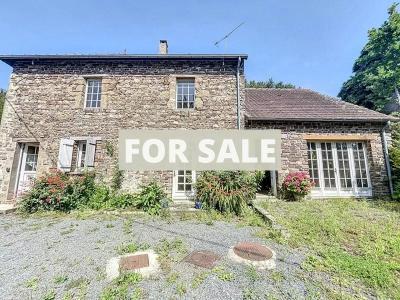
(11,59)
(304,105)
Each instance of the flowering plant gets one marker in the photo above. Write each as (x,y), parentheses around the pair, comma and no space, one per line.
(296,185)
(58,191)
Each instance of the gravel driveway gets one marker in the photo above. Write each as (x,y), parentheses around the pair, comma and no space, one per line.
(66,257)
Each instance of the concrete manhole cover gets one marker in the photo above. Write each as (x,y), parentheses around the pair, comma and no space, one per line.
(252,251)
(253,254)
(143,262)
(134,262)
(204,259)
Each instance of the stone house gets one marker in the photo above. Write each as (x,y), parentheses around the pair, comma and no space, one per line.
(64,112)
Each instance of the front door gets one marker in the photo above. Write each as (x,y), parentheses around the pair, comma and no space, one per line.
(28,168)
(183,184)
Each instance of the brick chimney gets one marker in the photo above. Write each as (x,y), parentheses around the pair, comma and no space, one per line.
(163,48)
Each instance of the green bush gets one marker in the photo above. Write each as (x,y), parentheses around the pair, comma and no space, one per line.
(226,191)
(150,198)
(58,192)
(63,192)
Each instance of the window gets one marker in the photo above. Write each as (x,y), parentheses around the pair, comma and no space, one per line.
(31,158)
(185,93)
(328,165)
(76,154)
(360,166)
(344,165)
(185,182)
(93,93)
(313,163)
(81,155)
(339,168)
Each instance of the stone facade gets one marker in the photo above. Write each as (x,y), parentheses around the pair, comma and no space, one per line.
(45,103)
(294,146)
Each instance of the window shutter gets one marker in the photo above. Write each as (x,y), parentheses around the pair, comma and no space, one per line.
(65,155)
(90,153)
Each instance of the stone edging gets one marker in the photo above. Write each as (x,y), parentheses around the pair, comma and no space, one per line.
(269,218)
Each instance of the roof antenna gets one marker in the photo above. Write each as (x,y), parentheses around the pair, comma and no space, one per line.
(226,36)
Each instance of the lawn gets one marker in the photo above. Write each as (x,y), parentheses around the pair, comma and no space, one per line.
(356,242)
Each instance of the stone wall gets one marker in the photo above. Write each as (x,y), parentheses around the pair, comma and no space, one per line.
(294,146)
(46,103)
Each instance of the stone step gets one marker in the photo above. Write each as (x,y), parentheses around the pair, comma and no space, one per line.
(265,197)
(7,208)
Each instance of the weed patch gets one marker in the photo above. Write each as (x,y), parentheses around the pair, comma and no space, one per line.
(352,240)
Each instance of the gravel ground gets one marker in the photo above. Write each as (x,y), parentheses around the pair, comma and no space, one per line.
(68,256)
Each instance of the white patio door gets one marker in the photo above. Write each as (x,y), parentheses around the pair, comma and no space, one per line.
(183,184)
(28,166)
(339,169)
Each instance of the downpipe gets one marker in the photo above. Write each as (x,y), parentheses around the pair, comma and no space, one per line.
(238,91)
(387,160)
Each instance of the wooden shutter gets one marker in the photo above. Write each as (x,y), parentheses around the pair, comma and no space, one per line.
(65,155)
(90,153)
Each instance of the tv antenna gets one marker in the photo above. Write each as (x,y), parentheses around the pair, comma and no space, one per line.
(226,36)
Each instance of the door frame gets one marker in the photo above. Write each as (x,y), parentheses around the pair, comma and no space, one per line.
(22,157)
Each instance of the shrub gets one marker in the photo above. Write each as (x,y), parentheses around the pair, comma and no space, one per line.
(226,191)
(63,192)
(296,185)
(58,192)
(150,198)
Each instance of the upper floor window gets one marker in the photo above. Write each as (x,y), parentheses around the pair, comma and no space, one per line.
(185,93)
(93,93)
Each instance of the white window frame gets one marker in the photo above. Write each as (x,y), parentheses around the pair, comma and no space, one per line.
(194,94)
(99,94)
(354,191)
(182,195)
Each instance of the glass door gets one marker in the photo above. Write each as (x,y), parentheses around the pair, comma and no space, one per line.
(183,184)
(28,166)
(339,169)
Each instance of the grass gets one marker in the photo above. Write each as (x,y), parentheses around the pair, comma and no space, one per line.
(199,279)
(355,241)
(32,283)
(131,248)
(170,251)
(120,288)
(60,279)
(223,274)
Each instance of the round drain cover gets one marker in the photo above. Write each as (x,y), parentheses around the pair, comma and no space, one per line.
(252,251)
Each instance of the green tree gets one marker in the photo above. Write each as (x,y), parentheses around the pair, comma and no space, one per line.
(2,100)
(376,73)
(269,84)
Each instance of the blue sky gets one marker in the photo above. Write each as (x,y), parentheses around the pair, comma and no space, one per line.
(310,43)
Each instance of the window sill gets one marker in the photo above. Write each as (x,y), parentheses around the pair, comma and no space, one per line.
(92,109)
(185,109)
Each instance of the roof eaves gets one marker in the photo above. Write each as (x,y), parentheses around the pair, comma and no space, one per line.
(9,59)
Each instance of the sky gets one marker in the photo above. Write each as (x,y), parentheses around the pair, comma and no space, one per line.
(310,43)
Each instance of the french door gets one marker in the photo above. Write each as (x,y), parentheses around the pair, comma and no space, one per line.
(183,184)
(339,169)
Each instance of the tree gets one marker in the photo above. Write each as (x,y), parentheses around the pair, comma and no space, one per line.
(376,77)
(269,84)
(2,100)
